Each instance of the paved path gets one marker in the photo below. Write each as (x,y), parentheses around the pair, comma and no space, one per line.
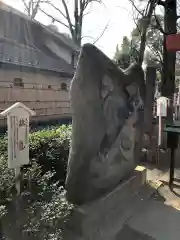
(157,220)
(158,216)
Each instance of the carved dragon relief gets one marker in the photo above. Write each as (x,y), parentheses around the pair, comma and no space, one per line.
(107,105)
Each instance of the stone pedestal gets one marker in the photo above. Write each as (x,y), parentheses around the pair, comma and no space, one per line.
(103,219)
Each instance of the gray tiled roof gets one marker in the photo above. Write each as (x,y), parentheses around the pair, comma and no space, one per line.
(14,53)
(6,10)
(65,40)
(22,43)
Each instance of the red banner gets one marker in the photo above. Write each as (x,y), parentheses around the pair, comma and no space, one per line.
(173,42)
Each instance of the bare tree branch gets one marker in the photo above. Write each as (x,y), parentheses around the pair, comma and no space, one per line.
(35,6)
(86,2)
(75,22)
(156,53)
(158,26)
(147,8)
(25,4)
(54,19)
(32,7)
(136,23)
(57,9)
(87,13)
(92,38)
(68,18)
(101,34)
(149,12)
(135,7)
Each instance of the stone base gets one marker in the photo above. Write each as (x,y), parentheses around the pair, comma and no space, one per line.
(104,218)
(128,233)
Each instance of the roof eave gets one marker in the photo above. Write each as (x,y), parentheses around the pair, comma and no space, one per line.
(61,72)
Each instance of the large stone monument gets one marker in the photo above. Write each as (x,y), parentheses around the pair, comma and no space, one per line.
(107,110)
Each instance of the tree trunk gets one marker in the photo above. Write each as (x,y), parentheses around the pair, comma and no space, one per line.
(78,23)
(147,20)
(76,18)
(150,90)
(169,58)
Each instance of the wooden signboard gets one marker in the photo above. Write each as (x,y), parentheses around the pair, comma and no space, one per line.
(162,104)
(18,131)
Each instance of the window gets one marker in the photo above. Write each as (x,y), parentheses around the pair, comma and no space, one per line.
(64,86)
(18,82)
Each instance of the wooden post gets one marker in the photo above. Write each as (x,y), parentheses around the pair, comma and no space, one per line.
(162,105)
(160,132)
(18,180)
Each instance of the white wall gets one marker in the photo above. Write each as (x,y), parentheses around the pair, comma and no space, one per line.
(48,103)
(31,80)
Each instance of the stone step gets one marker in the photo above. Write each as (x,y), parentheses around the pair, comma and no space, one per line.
(104,219)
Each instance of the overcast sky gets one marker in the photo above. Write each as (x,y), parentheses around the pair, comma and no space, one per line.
(115,13)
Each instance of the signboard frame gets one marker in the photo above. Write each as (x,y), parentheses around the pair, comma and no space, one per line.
(18,129)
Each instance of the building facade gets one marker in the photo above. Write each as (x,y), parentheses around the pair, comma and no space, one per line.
(37,64)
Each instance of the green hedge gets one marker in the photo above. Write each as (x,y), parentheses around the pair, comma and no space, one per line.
(43,205)
(49,149)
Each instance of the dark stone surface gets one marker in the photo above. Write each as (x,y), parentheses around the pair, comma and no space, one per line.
(107,123)
(127,233)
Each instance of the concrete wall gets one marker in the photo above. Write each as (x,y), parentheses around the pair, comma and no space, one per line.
(41,92)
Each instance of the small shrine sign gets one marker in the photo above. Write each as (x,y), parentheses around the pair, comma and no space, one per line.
(162,104)
(18,130)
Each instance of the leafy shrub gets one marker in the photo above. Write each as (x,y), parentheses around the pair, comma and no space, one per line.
(43,207)
(6,180)
(3,211)
(3,146)
(40,218)
(49,150)
(47,215)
